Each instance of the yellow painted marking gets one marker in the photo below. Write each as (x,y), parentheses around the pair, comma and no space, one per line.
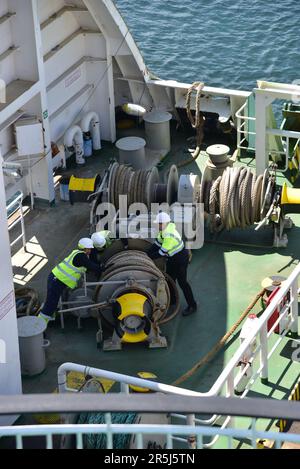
(75,380)
(131,304)
(134,338)
(83,185)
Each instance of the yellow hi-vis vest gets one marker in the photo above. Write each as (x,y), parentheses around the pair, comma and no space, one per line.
(169,241)
(67,273)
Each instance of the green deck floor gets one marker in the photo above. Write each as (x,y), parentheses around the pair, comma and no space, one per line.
(225,278)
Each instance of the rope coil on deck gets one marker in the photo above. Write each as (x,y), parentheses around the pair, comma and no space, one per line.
(141,186)
(27,301)
(197,122)
(138,263)
(138,186)
(235,199)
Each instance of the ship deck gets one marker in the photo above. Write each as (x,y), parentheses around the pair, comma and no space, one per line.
(225,275)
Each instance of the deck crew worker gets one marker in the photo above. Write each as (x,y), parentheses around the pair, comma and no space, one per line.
(103,240)
(169,244)
(67,275)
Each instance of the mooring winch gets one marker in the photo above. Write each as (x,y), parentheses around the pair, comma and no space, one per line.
(138,186)
(234,197)
(138,297)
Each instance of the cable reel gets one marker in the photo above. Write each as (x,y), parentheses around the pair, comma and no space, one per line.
(138,297)
(236,198)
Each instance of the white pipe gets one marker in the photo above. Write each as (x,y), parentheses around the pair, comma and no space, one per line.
(74,135)
(86,370)
(92,119)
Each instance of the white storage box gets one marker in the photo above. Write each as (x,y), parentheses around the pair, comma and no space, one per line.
(29,137)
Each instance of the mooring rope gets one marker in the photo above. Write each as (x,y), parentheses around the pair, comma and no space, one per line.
(234,199)
(220,344)
(197,122)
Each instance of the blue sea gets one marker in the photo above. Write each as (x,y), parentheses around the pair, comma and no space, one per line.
(228,43)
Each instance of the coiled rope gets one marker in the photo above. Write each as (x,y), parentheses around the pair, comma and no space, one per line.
(27,301)
(235,199)
(138,262)
(197,122)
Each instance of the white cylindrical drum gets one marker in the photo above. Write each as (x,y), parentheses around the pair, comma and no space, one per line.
(218,153)
(157,126)
(96,136)
(32,345)
(132,151)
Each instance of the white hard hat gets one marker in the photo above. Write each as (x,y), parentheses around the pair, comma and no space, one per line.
(98,240)
(163,217)
(85,243)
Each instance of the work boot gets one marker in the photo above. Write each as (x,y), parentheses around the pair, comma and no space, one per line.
(46,318)
(189,310)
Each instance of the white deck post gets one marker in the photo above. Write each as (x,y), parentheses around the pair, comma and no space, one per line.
(261,155)
(294,307)
(230,393)
(264,353)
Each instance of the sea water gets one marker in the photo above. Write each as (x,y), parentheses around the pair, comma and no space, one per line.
(225,43)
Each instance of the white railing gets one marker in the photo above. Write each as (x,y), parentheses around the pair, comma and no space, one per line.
(243,133)
(285,302)
(171,432)
(16,207)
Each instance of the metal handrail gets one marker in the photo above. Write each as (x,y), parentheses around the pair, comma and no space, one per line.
(240,115)
(166,404)
(151,403)
(140,430)
(261,326)
(17,203)
(49,431)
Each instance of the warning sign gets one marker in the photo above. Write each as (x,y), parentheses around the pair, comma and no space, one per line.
(7,304)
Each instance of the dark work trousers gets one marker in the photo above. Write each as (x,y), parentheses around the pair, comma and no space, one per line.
(177,269)
(55,289)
